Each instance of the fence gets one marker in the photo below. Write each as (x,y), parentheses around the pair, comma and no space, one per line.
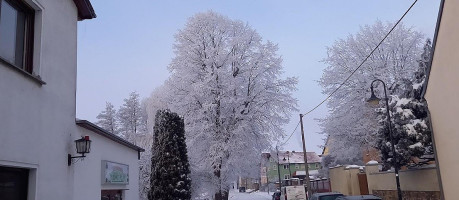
(322,185)
(421,183)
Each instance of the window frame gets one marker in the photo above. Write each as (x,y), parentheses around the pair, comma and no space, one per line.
(28,38)
(274,167)
(286,166)
(286,175)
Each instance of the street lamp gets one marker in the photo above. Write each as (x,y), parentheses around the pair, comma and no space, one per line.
(375,101)
(289,171)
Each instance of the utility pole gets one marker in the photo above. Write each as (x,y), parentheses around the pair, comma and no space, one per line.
(278,169)
(308,184)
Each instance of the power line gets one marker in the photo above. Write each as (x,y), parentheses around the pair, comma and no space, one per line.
(291,134)
(361,64)
(355,70)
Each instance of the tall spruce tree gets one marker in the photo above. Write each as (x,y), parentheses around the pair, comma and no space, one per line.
(170,168)
(410,125)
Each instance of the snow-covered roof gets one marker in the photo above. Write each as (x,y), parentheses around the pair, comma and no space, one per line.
(303,173)
(298,157)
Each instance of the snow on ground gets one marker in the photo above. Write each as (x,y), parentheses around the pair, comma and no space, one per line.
(236,195)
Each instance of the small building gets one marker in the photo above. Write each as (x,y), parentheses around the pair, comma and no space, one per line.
(288,165)
(111,170)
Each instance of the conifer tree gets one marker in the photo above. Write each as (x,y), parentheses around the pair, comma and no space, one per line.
(130,118)
(107,118)
(410,125)
(170,167)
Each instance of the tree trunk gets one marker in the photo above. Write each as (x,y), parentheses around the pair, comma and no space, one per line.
(221,195)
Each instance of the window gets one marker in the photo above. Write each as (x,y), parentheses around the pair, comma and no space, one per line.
(286,176)
(285,166)
(317,165)
(16,34)
(274,167)
(297,166)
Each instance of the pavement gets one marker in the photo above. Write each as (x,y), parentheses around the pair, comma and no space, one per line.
(236,195)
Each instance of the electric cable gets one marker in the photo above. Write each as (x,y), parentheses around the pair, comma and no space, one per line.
(364,60)
(355,70)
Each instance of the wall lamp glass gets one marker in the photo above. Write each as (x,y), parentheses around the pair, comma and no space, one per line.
(83,146)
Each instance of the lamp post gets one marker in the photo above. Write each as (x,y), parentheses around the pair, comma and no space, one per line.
(289,171)
(375,101)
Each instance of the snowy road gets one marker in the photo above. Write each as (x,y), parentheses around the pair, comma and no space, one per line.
(235,195)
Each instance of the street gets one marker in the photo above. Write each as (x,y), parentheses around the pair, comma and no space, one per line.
(235,195)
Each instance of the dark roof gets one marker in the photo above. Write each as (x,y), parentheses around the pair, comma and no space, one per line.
(434,43)
(96,129)
(85,10)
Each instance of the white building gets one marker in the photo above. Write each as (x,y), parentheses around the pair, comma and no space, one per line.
(111,169)
(38,65)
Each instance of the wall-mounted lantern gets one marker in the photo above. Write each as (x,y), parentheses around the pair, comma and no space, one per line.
(83,146)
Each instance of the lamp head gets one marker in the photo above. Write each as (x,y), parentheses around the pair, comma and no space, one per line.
(373,100)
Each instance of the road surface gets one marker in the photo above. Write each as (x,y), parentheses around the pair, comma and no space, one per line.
(235,195)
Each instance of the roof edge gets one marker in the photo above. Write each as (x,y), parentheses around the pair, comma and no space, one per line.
(96,129)
(85,9)
(432,52)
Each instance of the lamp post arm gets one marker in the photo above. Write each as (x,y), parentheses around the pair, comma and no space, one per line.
(389,123)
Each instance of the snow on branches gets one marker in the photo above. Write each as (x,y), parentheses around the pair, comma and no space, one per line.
(351,123)
(227,84)
(409,118)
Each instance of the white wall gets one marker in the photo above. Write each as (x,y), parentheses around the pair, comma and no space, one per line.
(443,96)
(37,121)
(88,171)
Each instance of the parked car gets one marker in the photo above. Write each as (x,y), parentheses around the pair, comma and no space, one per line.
(359,197)
(326,196)
(277,195)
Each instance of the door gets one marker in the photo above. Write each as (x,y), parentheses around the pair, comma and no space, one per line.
(363,184)
(13,183)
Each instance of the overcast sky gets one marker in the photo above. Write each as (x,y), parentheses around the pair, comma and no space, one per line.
(129,45)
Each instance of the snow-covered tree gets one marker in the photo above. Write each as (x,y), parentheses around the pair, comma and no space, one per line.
(410,125)
(170,168)
(351,123)
(228,85)
(107,119)
(130,118)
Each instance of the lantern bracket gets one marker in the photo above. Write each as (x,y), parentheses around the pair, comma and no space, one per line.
(70,157)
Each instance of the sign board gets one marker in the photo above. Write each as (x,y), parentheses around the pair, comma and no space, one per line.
(294,192)
(114,173)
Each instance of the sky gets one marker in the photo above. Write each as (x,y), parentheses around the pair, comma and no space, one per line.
(129,45)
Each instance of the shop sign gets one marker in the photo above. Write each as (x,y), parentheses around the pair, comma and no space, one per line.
(115,173)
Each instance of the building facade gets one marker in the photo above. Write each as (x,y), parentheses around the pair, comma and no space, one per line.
(288,165)
(38,70)
(442,95)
